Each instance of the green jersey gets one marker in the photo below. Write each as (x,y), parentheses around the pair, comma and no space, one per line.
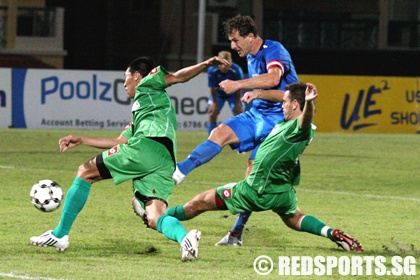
(153,111)
(148,158)
(276,166)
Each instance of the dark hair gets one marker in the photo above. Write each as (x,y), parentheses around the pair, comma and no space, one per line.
(142,64)
(243,24)
(297,91)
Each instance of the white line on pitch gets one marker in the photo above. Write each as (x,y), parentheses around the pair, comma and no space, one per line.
(32,169)
(6,167)
(12,275)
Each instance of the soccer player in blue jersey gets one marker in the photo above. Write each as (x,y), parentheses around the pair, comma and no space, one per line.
(218,97)
(269,67)
(275,172)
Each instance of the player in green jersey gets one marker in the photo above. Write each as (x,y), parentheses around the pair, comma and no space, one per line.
(144,153)
(275,171)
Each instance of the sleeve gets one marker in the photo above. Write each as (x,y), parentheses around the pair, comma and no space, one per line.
(155,80)
(296,134)
(274,56)
(128,131)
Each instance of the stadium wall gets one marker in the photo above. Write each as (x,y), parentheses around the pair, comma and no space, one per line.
(82,99)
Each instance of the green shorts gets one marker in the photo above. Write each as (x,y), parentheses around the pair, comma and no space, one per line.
(145,161)
(240,197)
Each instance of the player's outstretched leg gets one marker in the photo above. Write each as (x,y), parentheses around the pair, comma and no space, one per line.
(202,154)
(313,225)
(48,239)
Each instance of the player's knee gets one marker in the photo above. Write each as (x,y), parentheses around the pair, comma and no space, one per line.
(152,220)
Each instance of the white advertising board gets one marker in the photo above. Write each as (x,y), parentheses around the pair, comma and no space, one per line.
(77,99)
(190,101)
(5,97)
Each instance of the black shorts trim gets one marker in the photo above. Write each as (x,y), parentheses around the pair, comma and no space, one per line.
(145,199)
(103,170)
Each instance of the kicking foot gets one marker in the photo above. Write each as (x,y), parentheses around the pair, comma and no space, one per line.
(178,176)
(48,239)
(139,210)
(346,242)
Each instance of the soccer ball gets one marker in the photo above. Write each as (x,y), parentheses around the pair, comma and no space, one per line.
(46,195)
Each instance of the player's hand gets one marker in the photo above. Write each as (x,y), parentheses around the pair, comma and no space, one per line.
(215,60)
(310,93)
(238,109)
(68,142)
(250,95)
(229,86)
(213,110)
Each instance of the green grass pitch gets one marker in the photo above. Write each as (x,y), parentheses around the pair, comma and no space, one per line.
(366,184)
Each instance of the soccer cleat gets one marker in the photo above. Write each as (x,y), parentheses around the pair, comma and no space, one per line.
(229,240)
(139,210)
(48,239)
(189,245)
(346,242)
(178,176)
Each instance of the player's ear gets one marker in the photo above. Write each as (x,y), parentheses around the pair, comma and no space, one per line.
(137,76)
(250,37)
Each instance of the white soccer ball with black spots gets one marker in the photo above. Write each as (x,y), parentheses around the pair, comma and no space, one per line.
(46,195)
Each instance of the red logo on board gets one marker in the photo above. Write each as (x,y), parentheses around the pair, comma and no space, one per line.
(112,151)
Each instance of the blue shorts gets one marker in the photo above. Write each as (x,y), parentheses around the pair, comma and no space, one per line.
(252,127)
(230,98)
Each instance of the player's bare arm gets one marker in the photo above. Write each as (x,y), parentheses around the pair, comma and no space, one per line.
(271,95)
(72,141)
(267,80)
(305,118)
(187,73)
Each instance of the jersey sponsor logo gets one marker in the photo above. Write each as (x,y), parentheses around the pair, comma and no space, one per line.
(113,151)
(227,193)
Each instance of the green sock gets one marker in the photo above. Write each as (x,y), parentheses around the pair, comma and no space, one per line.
(177,212)
(313,225)
(171,228)
(75,200)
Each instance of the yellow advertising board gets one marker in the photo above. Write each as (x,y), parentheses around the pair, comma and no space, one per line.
(365,104)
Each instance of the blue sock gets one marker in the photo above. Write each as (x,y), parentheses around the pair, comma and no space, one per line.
(211,126)
(171,228)
(202,154)
(239,225)
(76,198)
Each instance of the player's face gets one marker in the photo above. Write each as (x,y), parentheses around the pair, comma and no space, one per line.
(239,44)
(288,106)
(130,82)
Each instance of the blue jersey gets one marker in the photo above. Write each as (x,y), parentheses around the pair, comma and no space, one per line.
(271,54)
(215,76)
